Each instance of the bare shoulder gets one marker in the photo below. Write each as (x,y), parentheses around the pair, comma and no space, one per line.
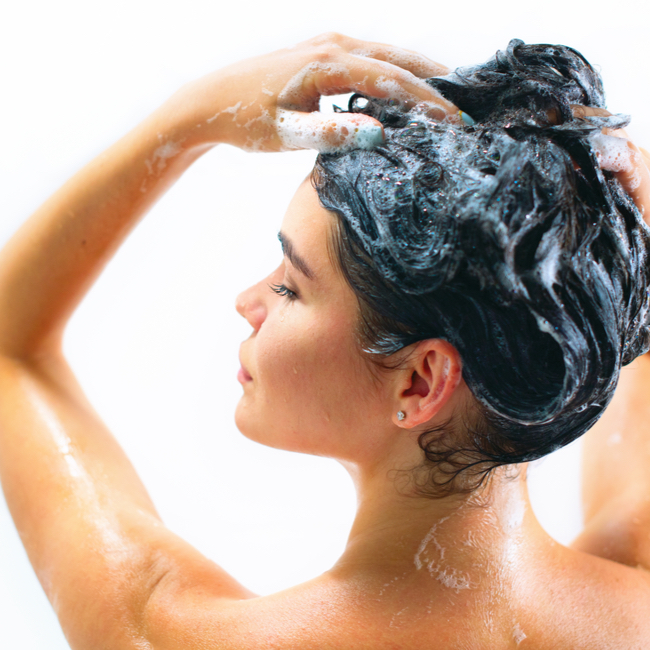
(594,602)
(576,602)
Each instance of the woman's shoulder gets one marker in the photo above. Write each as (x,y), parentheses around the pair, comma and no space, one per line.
(579,600)
(571,602)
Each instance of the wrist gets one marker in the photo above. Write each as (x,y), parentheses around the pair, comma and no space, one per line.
(188,117)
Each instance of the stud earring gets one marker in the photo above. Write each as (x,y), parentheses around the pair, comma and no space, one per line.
(401,415)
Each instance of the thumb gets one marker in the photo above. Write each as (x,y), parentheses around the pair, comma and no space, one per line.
(333,133)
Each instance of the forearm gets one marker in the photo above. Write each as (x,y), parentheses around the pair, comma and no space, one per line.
(616,473)
(54,258)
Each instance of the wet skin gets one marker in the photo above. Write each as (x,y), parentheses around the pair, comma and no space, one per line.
(460,572)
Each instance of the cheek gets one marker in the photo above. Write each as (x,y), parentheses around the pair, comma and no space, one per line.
(313,384)
(305,358)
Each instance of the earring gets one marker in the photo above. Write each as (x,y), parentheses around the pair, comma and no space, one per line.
(401,415)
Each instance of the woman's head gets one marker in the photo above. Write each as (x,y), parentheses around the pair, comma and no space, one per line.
(306,384)
(507,240)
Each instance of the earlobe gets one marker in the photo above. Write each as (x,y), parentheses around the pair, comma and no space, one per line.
(434,373)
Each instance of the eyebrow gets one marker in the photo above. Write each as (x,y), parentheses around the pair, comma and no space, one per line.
(293,257)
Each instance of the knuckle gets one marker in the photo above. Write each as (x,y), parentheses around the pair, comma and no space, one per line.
(323,54)
(333,38)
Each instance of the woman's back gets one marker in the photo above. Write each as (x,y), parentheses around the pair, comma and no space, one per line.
(560,600)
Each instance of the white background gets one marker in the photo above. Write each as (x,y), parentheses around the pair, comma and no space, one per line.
(155,343)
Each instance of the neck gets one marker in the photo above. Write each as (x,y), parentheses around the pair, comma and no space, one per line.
(459,540)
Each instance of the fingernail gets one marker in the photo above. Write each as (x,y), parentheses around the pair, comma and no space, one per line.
(466,118)
(368,136)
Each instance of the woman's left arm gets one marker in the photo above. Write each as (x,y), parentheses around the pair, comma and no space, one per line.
(112,571)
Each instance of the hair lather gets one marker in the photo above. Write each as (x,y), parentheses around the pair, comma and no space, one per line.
(505,238)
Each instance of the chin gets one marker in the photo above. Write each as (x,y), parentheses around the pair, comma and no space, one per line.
(254,429)
(243,423)
(258,430)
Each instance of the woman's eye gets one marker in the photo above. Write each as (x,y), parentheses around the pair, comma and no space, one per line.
(283,290)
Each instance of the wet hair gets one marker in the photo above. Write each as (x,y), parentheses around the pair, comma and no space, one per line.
(506,239)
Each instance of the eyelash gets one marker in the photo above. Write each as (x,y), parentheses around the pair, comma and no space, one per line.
(283,290)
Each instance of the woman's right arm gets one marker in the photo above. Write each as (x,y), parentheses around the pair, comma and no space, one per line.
(265,104)
(616,451)
(116,576)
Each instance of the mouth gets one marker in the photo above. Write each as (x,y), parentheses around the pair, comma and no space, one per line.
(242,375)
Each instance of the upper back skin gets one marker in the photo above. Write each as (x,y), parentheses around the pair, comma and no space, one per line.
(567,601)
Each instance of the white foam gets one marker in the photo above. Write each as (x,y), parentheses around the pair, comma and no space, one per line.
(518,634)
(164,152)
(392,89)
(614,154)
(232,110)
(393,621)
(60,437)
(428,538)
(159,158)
(614,438)
(452,578)
(327,134)
(516,513)
(437,567)
(550,266)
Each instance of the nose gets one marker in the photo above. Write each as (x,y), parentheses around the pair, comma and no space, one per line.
(251,306)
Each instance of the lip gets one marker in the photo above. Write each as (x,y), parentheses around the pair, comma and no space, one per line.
(242,375)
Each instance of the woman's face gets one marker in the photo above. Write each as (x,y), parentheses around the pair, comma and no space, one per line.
(306,386)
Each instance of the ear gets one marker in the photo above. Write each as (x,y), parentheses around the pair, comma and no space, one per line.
(425,384)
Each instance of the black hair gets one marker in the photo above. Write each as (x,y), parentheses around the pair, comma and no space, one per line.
(506,239)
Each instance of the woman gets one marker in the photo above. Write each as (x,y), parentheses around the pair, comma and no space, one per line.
(330,370)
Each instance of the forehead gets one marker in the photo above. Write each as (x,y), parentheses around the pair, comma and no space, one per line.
(309,227)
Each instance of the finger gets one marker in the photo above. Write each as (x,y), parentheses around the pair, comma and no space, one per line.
(418,64)
(581,111)
(337,132)
(623,157)
(415,63)
(636,180)
(641,195)
(350,73)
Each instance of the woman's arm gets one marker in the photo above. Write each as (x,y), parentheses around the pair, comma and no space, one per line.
(616,474)
(616,452)
(91,532)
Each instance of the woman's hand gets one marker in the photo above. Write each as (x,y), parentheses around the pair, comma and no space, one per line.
(270,103)
(617,153)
